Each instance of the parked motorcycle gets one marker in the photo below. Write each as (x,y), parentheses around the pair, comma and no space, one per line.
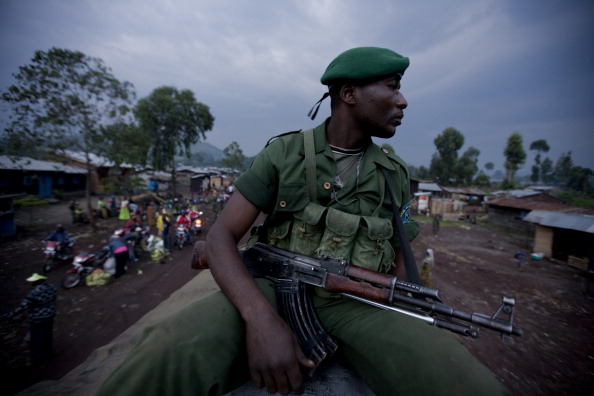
(83,264)
(180,236)
(56,252)
(196,222)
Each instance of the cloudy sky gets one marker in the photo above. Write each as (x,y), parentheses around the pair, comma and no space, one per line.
(485,67)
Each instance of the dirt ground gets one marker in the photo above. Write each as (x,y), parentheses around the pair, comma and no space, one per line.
(475,268)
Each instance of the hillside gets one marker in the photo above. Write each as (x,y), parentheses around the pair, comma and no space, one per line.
(203,154)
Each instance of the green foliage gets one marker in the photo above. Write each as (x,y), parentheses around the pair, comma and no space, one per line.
(579,180)
(540,146)
(172,120)
(233,156)
(507,185)
(420,173)
(29,201)
(515,156)
(482,180)
(62,99)
(446,167)
(577,198)
(562,171)
(466,167)
(443,162)
(546,171)
(125,143)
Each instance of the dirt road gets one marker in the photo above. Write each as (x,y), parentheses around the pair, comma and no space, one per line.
(475,268)
(87,317)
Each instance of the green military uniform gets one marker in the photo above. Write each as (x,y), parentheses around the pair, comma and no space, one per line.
(201,349)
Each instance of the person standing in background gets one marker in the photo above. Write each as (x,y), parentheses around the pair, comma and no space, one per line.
(41,304)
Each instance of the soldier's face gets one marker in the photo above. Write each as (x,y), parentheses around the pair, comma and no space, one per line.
(380,107)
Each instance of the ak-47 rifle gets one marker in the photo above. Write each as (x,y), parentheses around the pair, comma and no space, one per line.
(294,274)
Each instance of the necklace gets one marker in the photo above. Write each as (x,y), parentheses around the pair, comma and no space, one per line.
(348,161)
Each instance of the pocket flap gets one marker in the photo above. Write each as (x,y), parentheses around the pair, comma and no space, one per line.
(378,228)
(312,213)
(342,223)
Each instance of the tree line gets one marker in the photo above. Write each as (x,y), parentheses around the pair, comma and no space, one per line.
(448,167)
(65,100)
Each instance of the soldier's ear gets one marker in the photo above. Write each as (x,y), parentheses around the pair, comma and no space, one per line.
(347,93)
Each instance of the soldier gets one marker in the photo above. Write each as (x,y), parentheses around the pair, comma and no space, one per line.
(323,190)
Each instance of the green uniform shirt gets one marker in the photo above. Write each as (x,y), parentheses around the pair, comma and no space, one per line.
(276,181)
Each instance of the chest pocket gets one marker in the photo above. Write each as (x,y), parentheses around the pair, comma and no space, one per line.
(290,199)
(340,232)
(372,248)
(308,229)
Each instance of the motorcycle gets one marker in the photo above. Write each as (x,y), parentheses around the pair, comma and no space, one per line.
(196,222)
(83,264)
(180,236)
(55,252)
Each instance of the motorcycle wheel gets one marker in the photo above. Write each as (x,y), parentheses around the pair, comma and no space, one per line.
(70,280)
(180,244)
(48,264)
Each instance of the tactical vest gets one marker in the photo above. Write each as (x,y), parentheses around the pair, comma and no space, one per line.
(320,231)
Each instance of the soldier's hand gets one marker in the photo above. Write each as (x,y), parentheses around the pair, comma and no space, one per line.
(275,358)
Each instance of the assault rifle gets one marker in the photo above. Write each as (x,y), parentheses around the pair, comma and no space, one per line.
(294,274)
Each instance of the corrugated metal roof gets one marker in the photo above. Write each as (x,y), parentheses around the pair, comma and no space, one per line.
(577,222)
(30,164)
(95,160)
(424,186)
(527,204)
(464,190)
(517,193)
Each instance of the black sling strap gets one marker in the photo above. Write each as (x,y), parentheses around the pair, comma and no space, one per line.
(412,272)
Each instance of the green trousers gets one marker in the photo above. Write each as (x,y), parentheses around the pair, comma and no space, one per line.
(201,351)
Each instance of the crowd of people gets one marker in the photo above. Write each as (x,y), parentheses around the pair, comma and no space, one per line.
(137,221)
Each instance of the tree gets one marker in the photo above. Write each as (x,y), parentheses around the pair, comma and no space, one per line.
(579,180)
(420,173)
(125,143)
(562,170)
(546,171)
(172,120)
(489,166)
(444,161)
(467,167)
(445,166)
(540,146)
(482,180)
(233,156)
(64,99)
(515,156)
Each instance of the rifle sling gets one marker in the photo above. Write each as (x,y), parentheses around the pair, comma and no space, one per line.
(412,272)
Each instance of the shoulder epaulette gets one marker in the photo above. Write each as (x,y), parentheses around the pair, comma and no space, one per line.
(281,135)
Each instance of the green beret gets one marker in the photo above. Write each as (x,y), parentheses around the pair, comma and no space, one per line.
(364,63)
